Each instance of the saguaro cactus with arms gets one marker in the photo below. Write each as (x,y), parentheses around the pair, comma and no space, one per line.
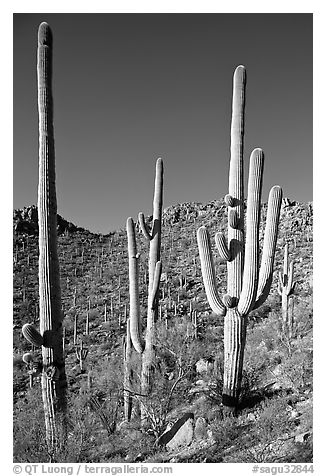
(247,286)
(286,286)
(155,268)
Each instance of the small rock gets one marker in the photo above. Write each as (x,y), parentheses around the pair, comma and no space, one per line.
(251,417)
(302,437)
(294,414)
(204,365)
(200,428)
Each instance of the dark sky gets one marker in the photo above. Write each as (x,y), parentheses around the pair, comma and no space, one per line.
(129,88)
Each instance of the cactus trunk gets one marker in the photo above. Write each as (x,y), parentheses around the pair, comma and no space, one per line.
(127,374)
(54,381)
(234,345)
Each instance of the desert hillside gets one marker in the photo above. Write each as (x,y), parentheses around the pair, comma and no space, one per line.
(276,401)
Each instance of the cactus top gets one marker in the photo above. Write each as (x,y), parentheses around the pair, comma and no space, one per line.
(45,34)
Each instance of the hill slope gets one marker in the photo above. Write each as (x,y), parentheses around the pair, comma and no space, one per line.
(94,279)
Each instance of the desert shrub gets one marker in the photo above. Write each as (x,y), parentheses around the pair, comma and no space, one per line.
(267,439)
(301,452)
(28,429)
(298,367)
(84,430)
(225,431)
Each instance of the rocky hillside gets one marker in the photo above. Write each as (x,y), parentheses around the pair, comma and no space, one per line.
(94,279)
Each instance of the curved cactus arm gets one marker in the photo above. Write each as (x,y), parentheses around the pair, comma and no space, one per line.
(156,283)
(222,246)
(208,272)
(27,358)
(135,318)
(144,227)
(270,239)
(251,264)
(32,335)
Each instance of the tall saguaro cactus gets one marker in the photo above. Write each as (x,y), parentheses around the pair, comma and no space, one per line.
(54,381)
(286,287)
(155,268)
(247,286)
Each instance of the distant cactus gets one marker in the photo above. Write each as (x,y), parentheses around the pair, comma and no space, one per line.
(75,328)
(87,324)
(32,367)
(246,288)
(154,273)
(81,354)
(27,358)
(286,286)
(50,336)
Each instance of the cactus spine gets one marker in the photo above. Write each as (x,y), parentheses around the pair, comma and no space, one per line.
(154,273)
(286,287)
(247,286)
(54,381)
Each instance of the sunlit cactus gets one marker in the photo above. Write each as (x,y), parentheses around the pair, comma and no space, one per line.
(81,354)
(50,335)
(247,286)
(153,235)
(286,286)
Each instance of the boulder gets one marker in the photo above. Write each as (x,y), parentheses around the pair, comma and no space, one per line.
(180,434)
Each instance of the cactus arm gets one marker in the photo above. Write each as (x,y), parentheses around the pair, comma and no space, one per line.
(144,227)
(27,358)
(269,246)
(208,272)
(155,243)
(280,283)
(251,264)
(222,246)
(156,283)
(286,261)
(280,280)
(289,284)
(32,335)
(135,318)
(236,212)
